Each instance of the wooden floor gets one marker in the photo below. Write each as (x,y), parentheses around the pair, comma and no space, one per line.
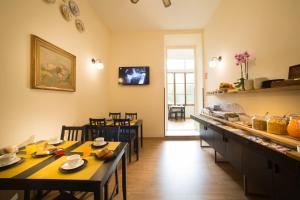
(181,170)
(180,127)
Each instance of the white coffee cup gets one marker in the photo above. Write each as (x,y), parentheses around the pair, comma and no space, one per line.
(54,140)
(6,158)
(73,160)
(99,141)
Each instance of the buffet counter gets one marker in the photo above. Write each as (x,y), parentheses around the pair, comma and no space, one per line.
(270,165)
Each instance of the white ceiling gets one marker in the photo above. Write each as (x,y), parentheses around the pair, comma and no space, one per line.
(152,15)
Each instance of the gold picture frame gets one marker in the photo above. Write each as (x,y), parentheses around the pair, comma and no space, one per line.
(52,68)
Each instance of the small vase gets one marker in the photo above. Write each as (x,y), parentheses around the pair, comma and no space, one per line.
(242,83)
(248,84)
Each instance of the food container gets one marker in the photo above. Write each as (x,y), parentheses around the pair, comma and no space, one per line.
(258,82)
(277,125)
(259,123)
(293,128)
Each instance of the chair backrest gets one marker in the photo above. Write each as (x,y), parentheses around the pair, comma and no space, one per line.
(121,122)
(131,116)
(98,122)
(74,133)
(111,133)
(115,115)
(92,131)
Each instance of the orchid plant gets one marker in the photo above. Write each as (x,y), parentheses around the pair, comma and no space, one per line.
(242,60)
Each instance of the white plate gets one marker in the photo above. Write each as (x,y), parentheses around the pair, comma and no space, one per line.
(98,145)
(17,159)
(66,166)
(56,142)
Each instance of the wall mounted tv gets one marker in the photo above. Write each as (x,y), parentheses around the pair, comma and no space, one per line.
(139,75)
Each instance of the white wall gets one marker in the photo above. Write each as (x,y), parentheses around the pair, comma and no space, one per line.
(270,31)
(26,111)
(139,49)
(193,40)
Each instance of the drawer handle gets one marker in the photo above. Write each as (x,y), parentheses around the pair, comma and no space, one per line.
(270,164)
(277,170)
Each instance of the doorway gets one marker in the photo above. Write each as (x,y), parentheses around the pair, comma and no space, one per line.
(181,91)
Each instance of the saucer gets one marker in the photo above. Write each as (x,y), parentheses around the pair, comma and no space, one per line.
(11,163)
(55,143)
(66,168)
(50,152)
(103,144)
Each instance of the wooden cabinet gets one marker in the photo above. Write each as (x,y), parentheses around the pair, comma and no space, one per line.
(258,171)
(218,139)
(285,179)
(267,172)
(234,153)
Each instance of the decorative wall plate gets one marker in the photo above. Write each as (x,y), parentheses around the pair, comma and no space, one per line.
(74,8)
(79,25)
(65,11)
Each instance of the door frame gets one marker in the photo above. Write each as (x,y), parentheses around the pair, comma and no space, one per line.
(196,64)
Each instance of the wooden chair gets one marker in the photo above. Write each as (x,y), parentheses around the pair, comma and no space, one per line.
(127,134)
(115,115)
(109,134)
(98,122)
(71,133)
(91,132)
(74,133)
(131,116)
(121,122)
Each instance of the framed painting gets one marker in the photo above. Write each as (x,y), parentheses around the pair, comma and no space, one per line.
(52,68)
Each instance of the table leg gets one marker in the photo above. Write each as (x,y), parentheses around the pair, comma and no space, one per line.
(124,174)
(141,135)
(26,194)
(137,144)
(98,194)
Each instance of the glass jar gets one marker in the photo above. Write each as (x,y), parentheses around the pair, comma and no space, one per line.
(259,123)
(294,126)
(277,125)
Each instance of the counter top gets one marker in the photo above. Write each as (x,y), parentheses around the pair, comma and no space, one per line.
(248,133)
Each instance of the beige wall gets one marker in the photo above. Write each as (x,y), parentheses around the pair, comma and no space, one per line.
(26,111)
(134,49)
(270,31)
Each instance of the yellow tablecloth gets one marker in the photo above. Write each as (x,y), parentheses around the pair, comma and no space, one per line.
(111,146)
(66,144)
(30,162)
(52,170)
(132,122)
(26,164)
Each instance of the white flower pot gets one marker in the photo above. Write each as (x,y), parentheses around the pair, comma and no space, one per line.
(248,84)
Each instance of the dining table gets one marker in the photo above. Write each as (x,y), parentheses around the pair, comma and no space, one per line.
(43,173)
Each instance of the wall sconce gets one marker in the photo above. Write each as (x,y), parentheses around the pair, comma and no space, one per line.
(215,61)
(98,63)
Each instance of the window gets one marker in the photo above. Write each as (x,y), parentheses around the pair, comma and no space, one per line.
(181,88)
(180,76)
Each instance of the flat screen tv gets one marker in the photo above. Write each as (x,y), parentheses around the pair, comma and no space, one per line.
(139,75)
